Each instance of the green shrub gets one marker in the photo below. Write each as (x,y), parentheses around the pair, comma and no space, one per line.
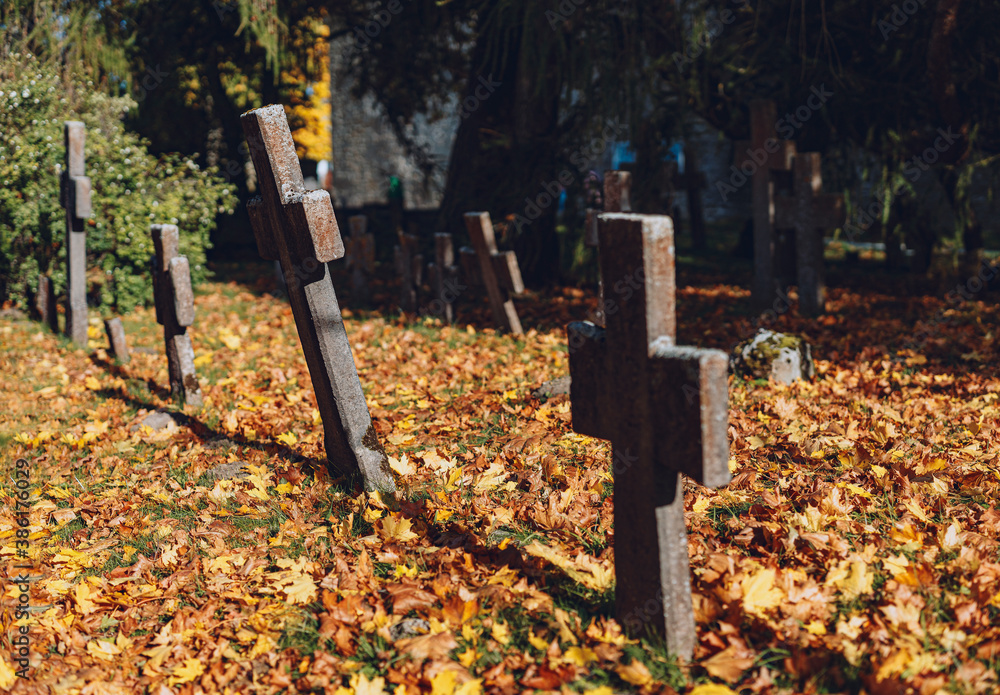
(132,189)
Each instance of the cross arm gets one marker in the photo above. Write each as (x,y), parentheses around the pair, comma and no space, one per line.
(305,218)
(689,388)
(183,294)
(590,394)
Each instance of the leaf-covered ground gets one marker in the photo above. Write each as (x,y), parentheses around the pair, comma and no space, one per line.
(856,548)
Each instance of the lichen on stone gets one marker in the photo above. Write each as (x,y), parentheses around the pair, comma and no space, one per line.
(771,355)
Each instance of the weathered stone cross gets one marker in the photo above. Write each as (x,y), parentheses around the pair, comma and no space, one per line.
(359,250)
(617,198)
(810,212)
(299,228)
(665,410)
(45,303)
(174,299)
(410,268)
(498,270)
(76,199)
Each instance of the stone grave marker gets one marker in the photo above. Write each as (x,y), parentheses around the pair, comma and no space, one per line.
(359,252)
(45,303)
(664,407)
(410,268)
(174,299)
(444,278)
(299,228)
(76,200)
(811,213)
(498,271)
(116,340)
(617,198)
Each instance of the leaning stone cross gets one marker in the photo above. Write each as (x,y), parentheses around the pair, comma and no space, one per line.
(298,228)
(76,200)
(664,408)
(174,299)
(498,270)
(810,212)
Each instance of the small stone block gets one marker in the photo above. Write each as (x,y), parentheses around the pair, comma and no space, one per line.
(116,340)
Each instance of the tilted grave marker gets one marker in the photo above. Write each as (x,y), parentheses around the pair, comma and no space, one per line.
(76,200)
(359,252)
(498,270)
(410,268)
(811,213)
(116,340)
(664,408)
(174,300)
(45,303)
(299,228)
(444,277)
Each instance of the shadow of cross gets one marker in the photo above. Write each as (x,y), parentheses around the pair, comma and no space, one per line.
(498,271)
(174,300)
(664,408)
(75,187)
(811,213)
(298,228)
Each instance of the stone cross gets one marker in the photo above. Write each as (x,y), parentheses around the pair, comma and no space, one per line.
(45,303)
(499,271)
(299,228)
(410,268)
(76,200)
(174,299)
(359,252)
(664,408)
(617,198)
(444,278)
(811,213)
(765,153)
(116,340)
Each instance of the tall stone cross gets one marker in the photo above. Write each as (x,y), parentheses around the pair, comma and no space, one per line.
(174,300)
(299,228)
(499,271)
(76,200)
(410,268)
(811,213)
(766,153)
(617,198)
(359,250)
(664,408)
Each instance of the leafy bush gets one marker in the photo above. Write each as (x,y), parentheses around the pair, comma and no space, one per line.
(132,189)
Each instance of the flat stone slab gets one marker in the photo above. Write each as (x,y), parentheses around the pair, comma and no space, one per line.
(156,421)
(554,387)
(227,471)
(410,627)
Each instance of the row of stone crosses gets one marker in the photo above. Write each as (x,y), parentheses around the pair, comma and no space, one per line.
(664,407)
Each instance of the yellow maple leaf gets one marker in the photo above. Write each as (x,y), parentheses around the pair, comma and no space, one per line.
(501,633)
(444,683)
(363,686)
(396,527)
(402,465)
(8,676)
(191,669)
(288,439)
(634,673)
(102,649)
(711,689)
(470,687)
(92,383)
(760,594)
(537,642)
(579,656)
(302,589)
(84,598)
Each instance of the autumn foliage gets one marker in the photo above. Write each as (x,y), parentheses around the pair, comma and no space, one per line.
(856,548)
